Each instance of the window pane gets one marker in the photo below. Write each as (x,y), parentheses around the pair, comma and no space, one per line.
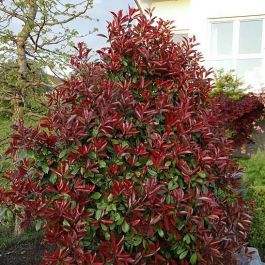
(221,38)
(179,37)
(251,71)
(218,64)
(250,36)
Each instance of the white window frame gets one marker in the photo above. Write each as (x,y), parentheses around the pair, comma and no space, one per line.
(181,32)
(235,55)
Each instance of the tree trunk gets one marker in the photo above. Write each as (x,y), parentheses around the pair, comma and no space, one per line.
(22,78)
(22,59)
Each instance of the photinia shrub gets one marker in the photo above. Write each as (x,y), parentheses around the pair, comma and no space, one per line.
(239,116)
(130,166)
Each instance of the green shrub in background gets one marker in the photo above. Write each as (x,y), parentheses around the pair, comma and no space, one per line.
(229,84)
(254,169)
(254,182)
(5,131)
(257,235)
(33,96)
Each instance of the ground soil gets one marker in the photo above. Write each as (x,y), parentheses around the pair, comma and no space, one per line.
(24,253)
(27,253)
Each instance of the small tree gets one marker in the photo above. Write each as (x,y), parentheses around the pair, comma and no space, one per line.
(38,82)
(42,36)
(228,83)
(238,110)
(130,165)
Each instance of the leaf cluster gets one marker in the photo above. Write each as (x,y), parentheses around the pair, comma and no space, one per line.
(229,84)
(239,116)
(130,165)
(46,25)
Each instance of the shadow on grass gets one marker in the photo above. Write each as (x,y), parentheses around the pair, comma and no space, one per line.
(25,249)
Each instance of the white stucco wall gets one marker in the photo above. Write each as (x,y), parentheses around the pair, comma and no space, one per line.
(172,10)
(195,15)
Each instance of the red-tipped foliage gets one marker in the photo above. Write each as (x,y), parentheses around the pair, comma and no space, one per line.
(129,166)
(240,116)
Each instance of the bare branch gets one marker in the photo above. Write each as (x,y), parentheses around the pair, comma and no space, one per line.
(13,14)
(72,17)
(2,98)
(39,31)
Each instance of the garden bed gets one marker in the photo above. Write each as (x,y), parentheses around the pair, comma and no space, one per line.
(23,253)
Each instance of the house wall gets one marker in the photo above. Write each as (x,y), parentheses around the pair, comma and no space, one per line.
(172,10)
(196,15)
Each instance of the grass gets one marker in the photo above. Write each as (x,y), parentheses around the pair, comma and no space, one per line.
(5,131)
(8,239)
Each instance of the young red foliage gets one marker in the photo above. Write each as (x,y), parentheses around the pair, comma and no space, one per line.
(130,165)
(240,115)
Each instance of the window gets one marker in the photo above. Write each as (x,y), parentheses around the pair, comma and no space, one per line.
(250,36)
(239,44)
(222,38)
(179,34)
(179,37)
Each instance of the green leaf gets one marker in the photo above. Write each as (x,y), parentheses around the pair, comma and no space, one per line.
(125,227)
(168,199)
(104,227)
(53,178)
(193,259)
(119,162)
(95,132)
(75,170)
(74,149)
(63,153)
(82,171)
(192,237)
(66,223)
(73,204)
(98,214)
(22,154)
(168,163)
(172,185)
(180,249)
(45,168)
(86,243)
(161,232)
(137,240)
(186,239)
(183,254)
(124,143)
(38,225)
(180,226)
(149,162)
(114,141)
(102,164)
(107,236)
(200,181)
(202,174)
(92,155)
(116,216)
(96,195)
(120,221)
(152,172)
